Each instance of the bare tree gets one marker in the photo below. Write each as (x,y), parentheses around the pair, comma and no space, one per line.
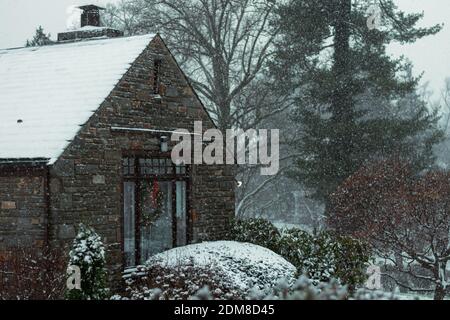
(125,14)
(251,189)
(445,98)
(223,44)
(442,150)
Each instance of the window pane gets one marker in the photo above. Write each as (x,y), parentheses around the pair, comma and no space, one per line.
(131,164)
(181,213)
(142,166)
(169,166)
(154,164)
(156,220)
(181,169)
(162,164)
(129,223)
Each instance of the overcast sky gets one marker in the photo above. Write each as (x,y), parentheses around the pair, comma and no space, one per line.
(19,18)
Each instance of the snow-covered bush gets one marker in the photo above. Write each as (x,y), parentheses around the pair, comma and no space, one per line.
(313,256)
(307,289)
(176,283)
(321,257)
(303,289)
(229,269)
(88,253)
(353,259)
(257,231)
(325,256)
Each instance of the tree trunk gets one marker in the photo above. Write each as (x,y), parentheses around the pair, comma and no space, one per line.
(342,101)
(221,91)
(439,292)
(401,275)
(440,275)
(341,147)
(296,194)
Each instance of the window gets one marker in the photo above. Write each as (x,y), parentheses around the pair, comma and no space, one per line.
(128,167)
(129,227)
(155,207)
(156,76)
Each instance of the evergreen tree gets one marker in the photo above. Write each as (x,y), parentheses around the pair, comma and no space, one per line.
(88,254)
(354,102)
(40,39)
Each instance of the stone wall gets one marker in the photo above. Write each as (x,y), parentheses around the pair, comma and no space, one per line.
(22,208)
(214,201)
(86,182)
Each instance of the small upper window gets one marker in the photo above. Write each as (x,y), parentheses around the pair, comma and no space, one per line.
(156,76)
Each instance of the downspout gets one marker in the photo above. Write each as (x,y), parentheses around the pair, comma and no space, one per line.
(47,206)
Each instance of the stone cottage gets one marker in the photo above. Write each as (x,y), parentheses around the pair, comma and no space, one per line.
(85,128)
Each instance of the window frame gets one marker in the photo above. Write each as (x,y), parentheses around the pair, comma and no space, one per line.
(138,178)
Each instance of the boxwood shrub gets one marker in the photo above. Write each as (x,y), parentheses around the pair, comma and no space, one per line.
(320,257)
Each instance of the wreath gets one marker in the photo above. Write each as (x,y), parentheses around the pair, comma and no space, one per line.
(149,217)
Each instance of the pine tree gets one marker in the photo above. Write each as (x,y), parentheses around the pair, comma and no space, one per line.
(354,102)
(40,39)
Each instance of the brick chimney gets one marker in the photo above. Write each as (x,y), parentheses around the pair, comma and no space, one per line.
(90,15)
(91,26)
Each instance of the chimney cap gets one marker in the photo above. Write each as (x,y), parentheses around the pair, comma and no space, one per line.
(90,7)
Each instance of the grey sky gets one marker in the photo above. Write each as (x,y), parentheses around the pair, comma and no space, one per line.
(431,54)
(19,18)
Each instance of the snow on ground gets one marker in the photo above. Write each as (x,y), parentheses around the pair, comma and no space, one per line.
(244,265)
(412,296)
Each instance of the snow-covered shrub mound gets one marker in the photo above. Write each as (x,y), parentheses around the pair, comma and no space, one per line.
(242,264)
(230,269)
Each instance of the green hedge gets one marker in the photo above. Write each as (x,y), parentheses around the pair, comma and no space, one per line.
(320,257)
(256,231)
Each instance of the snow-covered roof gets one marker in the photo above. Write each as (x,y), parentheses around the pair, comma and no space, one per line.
(47,93)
